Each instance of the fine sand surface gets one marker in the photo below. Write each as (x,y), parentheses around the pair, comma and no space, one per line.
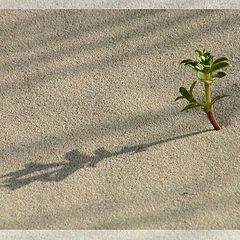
(91,137)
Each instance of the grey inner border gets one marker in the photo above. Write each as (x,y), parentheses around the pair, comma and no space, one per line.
(119,4)
(120,234)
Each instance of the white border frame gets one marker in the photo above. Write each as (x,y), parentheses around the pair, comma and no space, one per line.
(119,4)
(120,234)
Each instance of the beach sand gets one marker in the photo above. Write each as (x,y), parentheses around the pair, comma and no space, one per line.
(91,137)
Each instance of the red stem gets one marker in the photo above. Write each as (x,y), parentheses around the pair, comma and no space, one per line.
(213,121)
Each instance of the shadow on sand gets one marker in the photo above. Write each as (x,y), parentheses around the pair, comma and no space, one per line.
(74,160)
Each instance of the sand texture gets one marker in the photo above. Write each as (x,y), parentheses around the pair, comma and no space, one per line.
(91,137)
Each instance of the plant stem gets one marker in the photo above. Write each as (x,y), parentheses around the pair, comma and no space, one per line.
(208,107)
(208,97)
(213,121)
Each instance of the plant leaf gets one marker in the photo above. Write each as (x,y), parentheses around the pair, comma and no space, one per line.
(220,74)
(221,59)
(199,52)
(185,93)
(199,66)
(189,62)
(193,64)
(218,97)
(186,61)
(190,106)
(192,86)
(180,97)
(218,66)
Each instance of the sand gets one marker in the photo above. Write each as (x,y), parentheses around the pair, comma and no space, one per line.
(91,137)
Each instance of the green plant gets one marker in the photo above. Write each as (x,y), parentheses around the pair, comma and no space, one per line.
(207,69)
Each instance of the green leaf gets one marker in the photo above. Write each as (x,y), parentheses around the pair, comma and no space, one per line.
(199,67)
(186,61)
(185,93)
(190,106)
(199,52)
(180,97)
(220,74)
(189,62)
(218,97)
(193,64)
(192,86)
(207,54)
(202,58)
(221,59)
(210,60)
(218,66)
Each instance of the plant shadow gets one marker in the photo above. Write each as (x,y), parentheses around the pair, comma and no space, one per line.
(74,160)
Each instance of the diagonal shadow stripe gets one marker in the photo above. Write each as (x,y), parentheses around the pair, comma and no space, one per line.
(116,60)
(150,27)
(123,17)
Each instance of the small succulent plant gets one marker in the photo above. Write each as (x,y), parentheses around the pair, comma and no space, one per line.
(207,69)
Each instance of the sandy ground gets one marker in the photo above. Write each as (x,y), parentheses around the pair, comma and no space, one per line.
(91,137)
